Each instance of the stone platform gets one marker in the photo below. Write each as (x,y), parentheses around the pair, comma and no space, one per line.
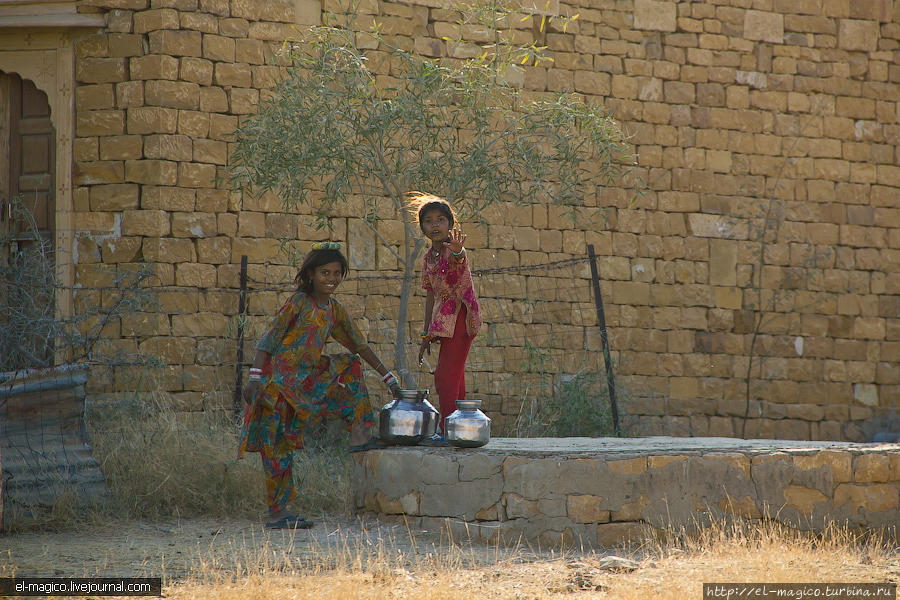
(599,492)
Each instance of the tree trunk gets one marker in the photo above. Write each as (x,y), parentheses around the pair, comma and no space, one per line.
(412,254)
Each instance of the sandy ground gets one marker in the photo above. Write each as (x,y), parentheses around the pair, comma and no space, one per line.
(179,548)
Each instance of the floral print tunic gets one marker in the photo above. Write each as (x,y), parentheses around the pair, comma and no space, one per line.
(300,384)
(451,283)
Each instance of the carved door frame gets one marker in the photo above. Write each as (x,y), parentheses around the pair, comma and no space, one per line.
(46,57)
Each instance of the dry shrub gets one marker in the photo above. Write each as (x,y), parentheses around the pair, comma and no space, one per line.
(160,462)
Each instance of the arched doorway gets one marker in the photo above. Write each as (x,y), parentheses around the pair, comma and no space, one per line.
(27,224)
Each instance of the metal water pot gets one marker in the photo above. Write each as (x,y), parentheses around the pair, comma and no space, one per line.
(408,419)
(467,427)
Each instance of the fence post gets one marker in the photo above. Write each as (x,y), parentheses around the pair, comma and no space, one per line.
(604,340)
(238,369)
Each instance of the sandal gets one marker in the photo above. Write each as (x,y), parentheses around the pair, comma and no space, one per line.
(373,443)
(289,522)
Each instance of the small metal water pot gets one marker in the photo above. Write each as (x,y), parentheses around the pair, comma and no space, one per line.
(467,427)
(408,419)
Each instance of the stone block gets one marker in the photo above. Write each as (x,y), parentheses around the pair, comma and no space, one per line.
(101,70)
(154,66)
(264,10)
(85,149)
(723,262)
(168,250)
(125,45)
(153,20)
(172,94)
(214,100)
(589,82)
(219,48)
(238,28)
(150,120)
(168,147)
(196,175)
(93,97)
(176,43)
(858,35)
(100,122)
(202,22)
(167,198)
(243,101)
(231,74)
(610,535)
(764,26)
(214,251)
(120,250)
(150,223)
(194,224)
(193,123)
(114,197)
(253,52)
(129,94)
(872,468)
(98,172)
(151,172)
(195,275)
(655,15)
(718,226)
(221,127)
(196,70)
(210,151)
(92,46)
(121,147)
(872,498)
(257,251)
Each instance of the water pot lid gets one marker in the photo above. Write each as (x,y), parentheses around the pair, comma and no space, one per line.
(414,395)
(468,404)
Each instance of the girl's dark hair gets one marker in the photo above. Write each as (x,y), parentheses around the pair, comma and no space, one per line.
(422,202)
(314,260)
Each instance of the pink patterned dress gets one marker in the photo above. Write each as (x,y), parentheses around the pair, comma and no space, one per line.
(451,283)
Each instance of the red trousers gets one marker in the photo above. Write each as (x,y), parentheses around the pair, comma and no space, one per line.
(450,373)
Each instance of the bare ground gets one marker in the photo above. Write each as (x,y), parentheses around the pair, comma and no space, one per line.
(359,558)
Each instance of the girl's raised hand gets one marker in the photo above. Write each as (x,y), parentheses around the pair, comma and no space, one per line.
(456,240)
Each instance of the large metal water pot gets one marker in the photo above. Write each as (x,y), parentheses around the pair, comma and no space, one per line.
(467,427)
(408,419)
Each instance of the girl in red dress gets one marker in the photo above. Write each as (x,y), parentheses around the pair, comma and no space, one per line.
(452,314)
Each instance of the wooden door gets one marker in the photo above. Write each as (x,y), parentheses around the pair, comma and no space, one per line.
(27,223)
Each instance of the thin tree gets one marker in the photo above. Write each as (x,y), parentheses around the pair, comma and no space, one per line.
(333,131)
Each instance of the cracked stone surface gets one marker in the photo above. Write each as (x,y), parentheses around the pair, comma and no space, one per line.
(600,490)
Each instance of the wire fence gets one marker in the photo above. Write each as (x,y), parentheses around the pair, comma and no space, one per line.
(541,340)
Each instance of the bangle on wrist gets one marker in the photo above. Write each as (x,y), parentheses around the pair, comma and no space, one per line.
(458,254)
(254,377)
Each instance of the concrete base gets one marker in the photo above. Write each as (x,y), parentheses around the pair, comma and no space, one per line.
(605,491)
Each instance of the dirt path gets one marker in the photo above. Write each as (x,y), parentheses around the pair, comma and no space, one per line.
(179,548)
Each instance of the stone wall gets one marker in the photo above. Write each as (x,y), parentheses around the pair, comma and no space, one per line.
(603,492)
(752,289)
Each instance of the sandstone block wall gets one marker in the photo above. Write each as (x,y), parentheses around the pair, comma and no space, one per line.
(756,275)
(609,491)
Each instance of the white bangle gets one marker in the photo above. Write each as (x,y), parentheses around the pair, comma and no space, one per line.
(254,377)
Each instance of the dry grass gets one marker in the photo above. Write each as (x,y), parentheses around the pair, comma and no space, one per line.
(761,553)
(159,462)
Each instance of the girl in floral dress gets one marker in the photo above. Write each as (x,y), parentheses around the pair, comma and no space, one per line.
(452,314)
(293,384)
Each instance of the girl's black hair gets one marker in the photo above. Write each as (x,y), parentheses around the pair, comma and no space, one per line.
(423,203)
(314,260)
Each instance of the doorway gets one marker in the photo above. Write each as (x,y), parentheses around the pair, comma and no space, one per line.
(27,225)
